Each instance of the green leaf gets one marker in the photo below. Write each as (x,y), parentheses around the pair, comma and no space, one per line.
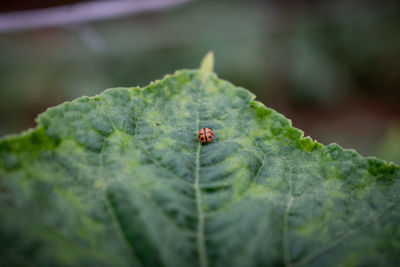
(119,179)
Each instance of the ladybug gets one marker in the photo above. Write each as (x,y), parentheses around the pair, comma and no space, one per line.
(205,135)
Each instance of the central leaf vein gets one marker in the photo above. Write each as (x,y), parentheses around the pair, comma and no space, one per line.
(285,234)
(200,214)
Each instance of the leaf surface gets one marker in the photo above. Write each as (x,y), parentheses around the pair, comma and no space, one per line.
(119,179)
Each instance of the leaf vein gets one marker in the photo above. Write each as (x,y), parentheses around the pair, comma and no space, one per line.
(200,214)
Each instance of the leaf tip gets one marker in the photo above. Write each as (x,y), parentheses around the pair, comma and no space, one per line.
(207,64)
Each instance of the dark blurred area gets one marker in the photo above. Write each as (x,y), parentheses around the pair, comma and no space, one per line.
(332,67)
(7,6)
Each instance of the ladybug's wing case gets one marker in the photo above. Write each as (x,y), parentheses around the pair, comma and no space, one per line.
(209,134)
(201,133)
(201,136)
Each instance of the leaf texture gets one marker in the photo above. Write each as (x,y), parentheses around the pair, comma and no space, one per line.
(119,179)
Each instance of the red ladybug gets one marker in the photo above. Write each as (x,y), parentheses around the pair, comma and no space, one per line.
(205,135)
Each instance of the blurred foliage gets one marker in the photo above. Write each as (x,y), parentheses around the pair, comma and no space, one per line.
(389,148)
(299,57)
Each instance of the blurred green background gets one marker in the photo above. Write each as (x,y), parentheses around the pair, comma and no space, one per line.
(332,67)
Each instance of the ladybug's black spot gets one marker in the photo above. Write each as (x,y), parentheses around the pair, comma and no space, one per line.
(202,139)
(209,136)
